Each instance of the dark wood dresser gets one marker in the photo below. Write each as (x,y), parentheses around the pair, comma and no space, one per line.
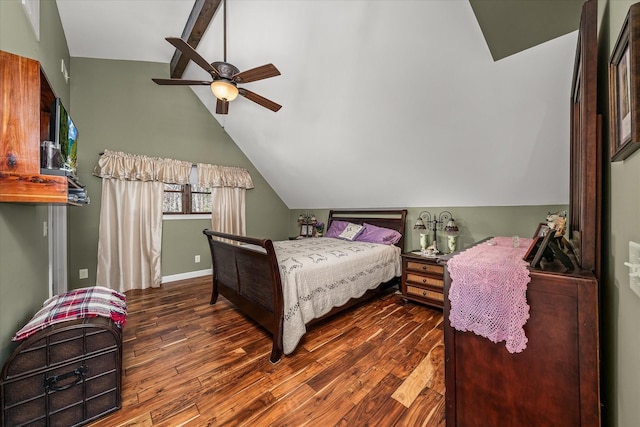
(553,382)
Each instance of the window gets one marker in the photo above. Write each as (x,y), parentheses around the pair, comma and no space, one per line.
(188,198)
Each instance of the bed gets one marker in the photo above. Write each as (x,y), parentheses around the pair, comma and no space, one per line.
(287,286)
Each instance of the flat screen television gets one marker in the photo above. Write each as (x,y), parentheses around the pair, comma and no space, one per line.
(64,134)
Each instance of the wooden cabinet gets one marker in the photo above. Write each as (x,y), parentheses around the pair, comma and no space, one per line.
(552,382)
(22,122)
(422,279)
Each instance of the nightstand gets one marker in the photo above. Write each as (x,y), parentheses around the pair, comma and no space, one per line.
(422,279)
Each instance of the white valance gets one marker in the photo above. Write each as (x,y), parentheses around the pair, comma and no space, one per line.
(135,167)
(223,176)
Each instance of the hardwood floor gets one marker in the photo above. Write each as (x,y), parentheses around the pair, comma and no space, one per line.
(186,362)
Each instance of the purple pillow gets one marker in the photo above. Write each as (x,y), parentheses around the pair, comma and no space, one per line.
(374,234)
(336,228)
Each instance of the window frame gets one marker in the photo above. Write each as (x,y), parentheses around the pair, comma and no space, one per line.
(187,193)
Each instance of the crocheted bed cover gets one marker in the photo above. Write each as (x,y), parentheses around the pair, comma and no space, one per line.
(488,291)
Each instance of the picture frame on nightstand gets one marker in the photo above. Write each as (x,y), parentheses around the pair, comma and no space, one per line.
(306,230)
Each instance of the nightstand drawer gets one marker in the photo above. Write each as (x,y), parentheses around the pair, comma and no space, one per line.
(425,280)
(422,279)
(426,268)
(425,293)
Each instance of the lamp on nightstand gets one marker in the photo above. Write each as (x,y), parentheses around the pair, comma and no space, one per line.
(424,221)
(452,235)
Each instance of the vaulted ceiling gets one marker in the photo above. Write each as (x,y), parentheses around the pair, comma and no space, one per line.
(386,103)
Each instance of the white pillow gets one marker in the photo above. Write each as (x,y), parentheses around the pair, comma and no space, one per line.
(351,231)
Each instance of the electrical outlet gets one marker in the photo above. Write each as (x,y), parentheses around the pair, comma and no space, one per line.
(84,273)
(197,258)
(634,267)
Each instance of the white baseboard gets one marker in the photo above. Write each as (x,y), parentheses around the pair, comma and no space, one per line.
(187,275)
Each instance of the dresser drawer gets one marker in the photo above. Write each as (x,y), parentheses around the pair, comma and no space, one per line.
(424,293)
(425,280)
(425,268)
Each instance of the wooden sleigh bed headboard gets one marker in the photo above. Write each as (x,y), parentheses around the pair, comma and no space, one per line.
(394,219)
(246,271)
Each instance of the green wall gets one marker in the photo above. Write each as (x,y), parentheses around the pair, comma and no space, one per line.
(24,272)
(620,307)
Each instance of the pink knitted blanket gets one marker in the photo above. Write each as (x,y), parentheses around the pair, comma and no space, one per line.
(488,291)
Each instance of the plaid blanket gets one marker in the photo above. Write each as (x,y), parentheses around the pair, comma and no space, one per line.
(77,304)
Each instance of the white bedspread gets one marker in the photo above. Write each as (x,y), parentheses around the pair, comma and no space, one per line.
(321,273)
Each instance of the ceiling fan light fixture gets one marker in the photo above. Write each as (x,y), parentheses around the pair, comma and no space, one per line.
(224,90)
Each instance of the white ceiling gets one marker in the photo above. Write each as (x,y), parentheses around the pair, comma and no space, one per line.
(392,103)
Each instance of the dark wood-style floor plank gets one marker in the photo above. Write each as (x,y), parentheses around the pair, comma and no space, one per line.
(187,363)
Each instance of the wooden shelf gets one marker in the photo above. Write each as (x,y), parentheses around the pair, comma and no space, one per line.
(28,188)
(25,117)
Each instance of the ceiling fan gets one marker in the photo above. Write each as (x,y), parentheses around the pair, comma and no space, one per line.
(225,76)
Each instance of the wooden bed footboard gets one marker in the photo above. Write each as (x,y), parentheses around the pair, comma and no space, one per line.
(245,271)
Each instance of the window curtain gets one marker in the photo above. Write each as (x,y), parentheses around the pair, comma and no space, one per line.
(228,190)
(130,231)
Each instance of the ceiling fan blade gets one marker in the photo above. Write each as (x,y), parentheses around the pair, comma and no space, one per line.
(191,53)
(222,107)
(258,73)
(252,96)
(180,82)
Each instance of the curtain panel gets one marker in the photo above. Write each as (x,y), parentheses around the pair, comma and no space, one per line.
(130,235)
(130,231)
(228,188)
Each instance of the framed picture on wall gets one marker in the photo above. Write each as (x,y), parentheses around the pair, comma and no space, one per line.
(624,103)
